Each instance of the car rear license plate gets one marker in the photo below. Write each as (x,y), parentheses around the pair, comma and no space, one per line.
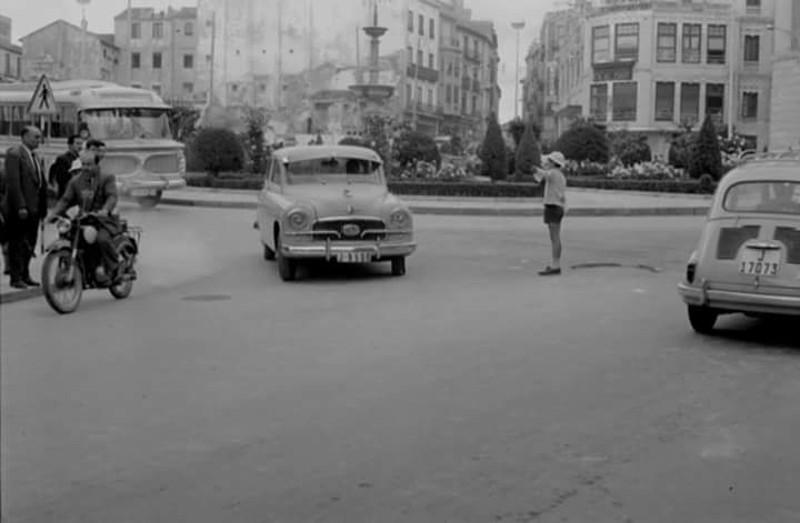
(757,262)
(354,257)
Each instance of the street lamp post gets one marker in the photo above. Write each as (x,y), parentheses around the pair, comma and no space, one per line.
(517,26)
(84,24)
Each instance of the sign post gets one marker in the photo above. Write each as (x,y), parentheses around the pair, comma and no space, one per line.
(43,103)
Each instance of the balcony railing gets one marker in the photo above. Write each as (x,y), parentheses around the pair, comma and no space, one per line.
(425,74)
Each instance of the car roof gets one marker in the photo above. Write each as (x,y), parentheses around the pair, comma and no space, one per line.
(764,171)
(315,152)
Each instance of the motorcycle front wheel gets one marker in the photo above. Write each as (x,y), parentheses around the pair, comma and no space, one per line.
(62,284)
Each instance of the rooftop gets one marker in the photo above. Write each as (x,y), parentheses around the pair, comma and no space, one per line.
(105,38)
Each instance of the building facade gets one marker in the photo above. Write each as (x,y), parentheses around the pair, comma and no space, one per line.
(10,54)
(658,66)
(784,129)
(160,51)
(65,51)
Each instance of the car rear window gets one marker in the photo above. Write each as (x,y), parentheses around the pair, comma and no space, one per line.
(322,169)
(776,197)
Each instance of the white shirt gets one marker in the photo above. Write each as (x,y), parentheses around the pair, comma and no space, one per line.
(555,189)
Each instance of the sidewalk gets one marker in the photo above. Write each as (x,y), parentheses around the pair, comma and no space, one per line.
(7,294)
(581,202)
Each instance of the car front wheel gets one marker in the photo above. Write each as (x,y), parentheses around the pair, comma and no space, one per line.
(287,268)
(398,266)
(702,319)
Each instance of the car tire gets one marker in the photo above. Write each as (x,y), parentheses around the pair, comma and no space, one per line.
(287,268)
(702,319)
(269,254)
(149,202)
(398,266)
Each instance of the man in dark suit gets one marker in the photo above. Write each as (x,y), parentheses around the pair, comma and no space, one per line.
(26,205)
(59,171)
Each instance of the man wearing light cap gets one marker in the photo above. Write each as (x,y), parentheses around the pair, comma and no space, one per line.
(555,201)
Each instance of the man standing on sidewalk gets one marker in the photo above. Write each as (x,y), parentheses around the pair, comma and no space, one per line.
(60,170)
(555,201)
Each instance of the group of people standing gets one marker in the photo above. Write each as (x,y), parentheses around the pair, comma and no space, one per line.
(25,192)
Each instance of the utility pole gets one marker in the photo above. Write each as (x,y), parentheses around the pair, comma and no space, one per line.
(279,93)
(84,24)
(734,59)
(517,26)
(211,64)
(129,72)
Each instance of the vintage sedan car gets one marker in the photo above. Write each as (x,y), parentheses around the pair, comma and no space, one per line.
(748,257)
(331,203)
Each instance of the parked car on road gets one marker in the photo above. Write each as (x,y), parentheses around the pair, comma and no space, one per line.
(331,203)
(748,257)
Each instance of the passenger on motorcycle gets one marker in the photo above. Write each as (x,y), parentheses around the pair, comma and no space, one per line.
(94,192)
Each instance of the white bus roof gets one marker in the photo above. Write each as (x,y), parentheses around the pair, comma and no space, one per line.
(86,94)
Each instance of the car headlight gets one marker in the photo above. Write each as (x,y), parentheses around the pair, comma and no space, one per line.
(298,219)
(400,219)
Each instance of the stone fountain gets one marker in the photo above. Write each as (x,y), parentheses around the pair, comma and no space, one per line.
(373,95)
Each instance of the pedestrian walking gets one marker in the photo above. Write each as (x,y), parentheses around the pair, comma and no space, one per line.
(26,204)
(60,170)
(555,202)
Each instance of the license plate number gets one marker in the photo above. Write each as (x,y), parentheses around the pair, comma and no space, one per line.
(141,192)
(760,263)
(354,257)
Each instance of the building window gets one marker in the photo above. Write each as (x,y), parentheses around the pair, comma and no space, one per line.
(136,60)
(474,104)
(690,103)
(448,93)
(627,42)
(665,101)
(753,6)
(419,94)
(752,48)
(432,28)
(410,21)
(156,88)
(156,60)
(750,105)
(136,31)
(598,103)
(420,58)
(601,44)
(750,142)
(188,87)
(158,30)
(136,85)
(408,94)
(624,102)
(430,96)
(716,44)
(188,61)
(715,101)
(8,64)
(421,25)
(667,42)
(692,36)
(430,61)
(410,51)
(188,29)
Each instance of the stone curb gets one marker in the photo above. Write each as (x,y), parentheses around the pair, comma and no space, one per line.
(481,211)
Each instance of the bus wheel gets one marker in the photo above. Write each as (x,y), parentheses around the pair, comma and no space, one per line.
(148,202)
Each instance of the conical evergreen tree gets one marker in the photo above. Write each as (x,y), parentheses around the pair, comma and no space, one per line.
(706,156)
(494,156)
(528,156)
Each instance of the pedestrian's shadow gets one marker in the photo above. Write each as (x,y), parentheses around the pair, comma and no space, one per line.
(769,334)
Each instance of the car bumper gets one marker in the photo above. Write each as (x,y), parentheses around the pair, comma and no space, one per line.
(701,295)
(330,250)
(149,187)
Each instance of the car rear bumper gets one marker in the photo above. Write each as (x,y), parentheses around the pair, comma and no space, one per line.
(149,187)
(701,295)
(330,250)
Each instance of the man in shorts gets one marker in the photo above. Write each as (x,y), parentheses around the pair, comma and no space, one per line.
(555,202)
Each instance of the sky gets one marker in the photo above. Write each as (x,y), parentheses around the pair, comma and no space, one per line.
(29,15)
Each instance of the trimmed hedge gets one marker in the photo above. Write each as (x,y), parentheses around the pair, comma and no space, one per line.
(487,190)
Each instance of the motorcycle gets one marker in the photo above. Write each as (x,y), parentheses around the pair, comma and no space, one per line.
(72,266)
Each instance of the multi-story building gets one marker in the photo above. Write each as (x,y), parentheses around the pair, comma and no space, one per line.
(421,88)
(160,51)
(533,86)
(656,66)
(784,128)
(10,54)
(65,51)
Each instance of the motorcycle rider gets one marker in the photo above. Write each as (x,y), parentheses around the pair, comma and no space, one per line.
(95,192)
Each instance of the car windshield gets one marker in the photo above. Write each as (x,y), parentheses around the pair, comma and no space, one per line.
(333,170)
(127,123)
(779,197)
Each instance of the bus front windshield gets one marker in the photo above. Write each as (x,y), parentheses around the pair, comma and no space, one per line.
(127,123)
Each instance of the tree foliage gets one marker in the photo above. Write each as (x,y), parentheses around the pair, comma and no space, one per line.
(584,141)
(706,156)
(528,156)
(413,146)
(494,156)
(256,120)
(630,148)
(219,150)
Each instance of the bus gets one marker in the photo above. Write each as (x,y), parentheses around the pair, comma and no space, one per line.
(134,124)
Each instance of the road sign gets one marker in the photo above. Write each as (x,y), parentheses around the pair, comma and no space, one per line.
(43,103)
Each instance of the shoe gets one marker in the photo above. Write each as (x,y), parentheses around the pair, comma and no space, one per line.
(30,282)
(18,284)
(549,271)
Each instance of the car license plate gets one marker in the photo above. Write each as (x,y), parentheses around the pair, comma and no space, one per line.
(354,257)
(756,262)
(141,192)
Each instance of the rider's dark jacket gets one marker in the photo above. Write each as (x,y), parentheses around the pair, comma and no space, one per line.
(92,191)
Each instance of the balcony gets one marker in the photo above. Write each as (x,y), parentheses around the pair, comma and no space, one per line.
(425,74)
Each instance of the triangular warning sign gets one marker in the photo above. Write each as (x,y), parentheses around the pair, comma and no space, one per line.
(43,103)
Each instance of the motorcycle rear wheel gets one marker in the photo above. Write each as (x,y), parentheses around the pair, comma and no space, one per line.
(63,298)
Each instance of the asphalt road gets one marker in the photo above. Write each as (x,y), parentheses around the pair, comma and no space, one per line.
(469,390)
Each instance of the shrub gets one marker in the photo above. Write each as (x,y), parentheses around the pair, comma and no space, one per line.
(353,140)
(680,149)
(528,156)
(630,148)
(706,157)
(494,154)
(413,146)
(584,141)
(256,119)
(218,150)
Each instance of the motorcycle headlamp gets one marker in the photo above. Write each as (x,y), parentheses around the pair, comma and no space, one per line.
(89,234)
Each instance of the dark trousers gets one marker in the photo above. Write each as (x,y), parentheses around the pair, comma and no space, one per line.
(106,251)
(22,236)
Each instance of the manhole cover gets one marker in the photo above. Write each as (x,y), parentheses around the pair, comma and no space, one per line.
(207,297)
(602,265)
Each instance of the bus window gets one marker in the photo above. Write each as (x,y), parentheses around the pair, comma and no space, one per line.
(18,121)
(5,120)
(65,123)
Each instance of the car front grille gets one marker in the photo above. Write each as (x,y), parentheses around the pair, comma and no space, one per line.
(791,238)
(731,240)
(163,164)
(338,226)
